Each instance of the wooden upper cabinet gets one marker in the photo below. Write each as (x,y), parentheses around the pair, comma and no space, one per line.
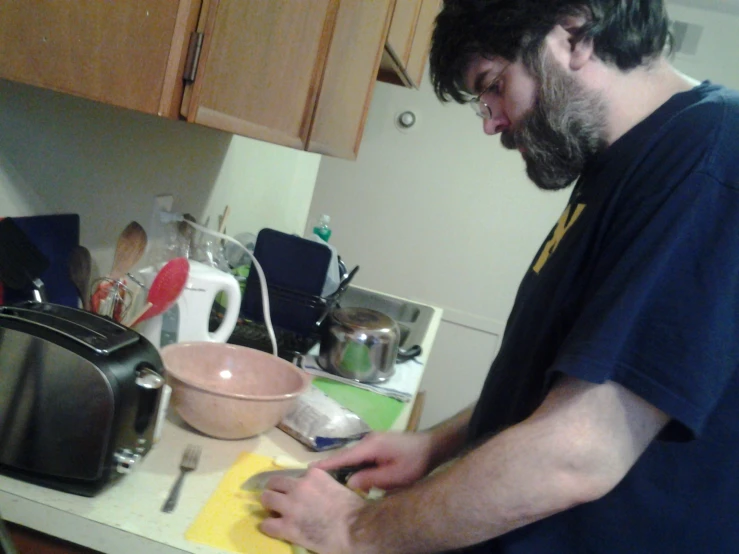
(261,67)
(299,73)
(408,42)
(349,77)
(124,53)
(403,28)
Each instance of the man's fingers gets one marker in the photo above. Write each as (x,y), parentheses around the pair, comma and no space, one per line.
(348,458)
(278,528)
(383,477)
(275,501)
(363,452)
(281,484)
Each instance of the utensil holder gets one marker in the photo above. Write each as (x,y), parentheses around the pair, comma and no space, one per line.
(110,298)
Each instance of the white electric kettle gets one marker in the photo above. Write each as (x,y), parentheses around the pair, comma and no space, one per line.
(188,319)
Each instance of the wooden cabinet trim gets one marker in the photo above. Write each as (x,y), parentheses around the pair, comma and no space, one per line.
(319,70)
(340,117)
(409,72)
(28,541)
(191,91)
(403,29)
(422,41)
(262,62)
(225,122)
(188,14)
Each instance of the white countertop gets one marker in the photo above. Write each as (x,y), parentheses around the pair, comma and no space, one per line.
(127,517)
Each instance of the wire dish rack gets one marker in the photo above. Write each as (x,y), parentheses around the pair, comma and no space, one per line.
(253,334)
(296,319)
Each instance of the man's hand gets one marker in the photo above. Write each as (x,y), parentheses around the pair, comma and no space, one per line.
(400,460)
(314,512)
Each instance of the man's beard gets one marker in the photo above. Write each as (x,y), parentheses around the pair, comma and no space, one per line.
(563,130)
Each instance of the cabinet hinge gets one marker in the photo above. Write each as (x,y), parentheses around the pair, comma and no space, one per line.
(193,56)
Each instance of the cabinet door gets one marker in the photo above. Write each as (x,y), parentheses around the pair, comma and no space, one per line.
(402,30)
(349,77)
(124,53)
(422,41)
(261,66)
(409,40)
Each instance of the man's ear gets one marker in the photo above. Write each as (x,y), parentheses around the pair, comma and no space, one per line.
(569,28)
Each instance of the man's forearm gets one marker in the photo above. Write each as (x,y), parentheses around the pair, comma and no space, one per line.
(475,499)
(449,437)
(573,450)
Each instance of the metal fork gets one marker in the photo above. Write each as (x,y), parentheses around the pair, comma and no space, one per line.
(190,458)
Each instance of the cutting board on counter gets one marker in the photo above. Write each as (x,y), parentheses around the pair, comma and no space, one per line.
(377,411)
(230,518)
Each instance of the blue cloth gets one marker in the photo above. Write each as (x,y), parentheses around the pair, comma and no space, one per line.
(639,284)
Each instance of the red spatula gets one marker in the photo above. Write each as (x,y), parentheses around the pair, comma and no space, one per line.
(165,289)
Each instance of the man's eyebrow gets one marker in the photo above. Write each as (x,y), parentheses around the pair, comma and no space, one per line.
(479,82)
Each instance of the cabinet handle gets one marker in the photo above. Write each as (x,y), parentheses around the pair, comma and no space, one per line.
(193,56)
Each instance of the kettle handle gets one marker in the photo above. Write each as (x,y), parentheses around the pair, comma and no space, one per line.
(230,286)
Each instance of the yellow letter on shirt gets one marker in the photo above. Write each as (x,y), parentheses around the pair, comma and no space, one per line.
(563,225)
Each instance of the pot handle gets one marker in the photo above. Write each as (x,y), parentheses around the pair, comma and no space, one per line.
(406,355)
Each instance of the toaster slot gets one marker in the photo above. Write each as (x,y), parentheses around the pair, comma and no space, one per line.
(102,335)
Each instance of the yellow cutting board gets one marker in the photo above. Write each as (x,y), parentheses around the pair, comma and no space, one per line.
(230,518)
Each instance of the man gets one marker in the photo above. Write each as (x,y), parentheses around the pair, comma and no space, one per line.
(608,422)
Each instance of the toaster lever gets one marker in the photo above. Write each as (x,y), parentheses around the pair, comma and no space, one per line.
(147,378)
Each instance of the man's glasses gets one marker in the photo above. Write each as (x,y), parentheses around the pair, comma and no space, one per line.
(479,106)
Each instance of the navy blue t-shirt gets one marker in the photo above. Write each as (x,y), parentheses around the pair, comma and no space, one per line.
(638,283)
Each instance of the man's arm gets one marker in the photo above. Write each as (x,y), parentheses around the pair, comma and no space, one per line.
(449,437)
(575,448)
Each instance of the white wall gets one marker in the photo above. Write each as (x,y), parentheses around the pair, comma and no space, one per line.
(60,154)
(443,214)
(716,58)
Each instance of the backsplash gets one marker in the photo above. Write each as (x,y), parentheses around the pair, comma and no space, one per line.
(61,154)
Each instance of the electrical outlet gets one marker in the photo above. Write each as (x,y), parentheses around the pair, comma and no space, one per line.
(156,229)
(163,203)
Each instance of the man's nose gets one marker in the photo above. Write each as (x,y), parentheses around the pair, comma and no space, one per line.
(497,123)
(494,126)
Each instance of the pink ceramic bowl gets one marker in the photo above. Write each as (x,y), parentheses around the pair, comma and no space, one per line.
(228,391)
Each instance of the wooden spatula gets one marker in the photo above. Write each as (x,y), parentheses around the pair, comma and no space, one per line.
(80,267)
(129,249)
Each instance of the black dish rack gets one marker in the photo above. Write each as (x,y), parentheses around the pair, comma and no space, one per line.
(295,270)
(296,320)
(253,334)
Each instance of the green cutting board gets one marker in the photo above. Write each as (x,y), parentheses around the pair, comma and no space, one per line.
(378,411)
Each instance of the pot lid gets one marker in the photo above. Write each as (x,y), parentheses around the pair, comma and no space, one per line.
(363,318)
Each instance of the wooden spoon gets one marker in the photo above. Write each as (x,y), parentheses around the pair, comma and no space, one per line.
(128,251)
(165,289)
(80,267)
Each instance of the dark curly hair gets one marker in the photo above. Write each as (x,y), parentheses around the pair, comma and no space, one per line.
(625,33)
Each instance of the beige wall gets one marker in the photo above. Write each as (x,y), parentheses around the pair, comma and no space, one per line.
(60,154)
(440,214)
(443,214)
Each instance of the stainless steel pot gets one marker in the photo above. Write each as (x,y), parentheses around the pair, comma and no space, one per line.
(359,344)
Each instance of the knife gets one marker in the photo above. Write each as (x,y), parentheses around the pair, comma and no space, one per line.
(258,481)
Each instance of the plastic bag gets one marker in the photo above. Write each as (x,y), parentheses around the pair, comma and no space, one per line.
(321,423)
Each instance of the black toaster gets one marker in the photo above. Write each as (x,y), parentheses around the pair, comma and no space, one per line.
(79,397)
